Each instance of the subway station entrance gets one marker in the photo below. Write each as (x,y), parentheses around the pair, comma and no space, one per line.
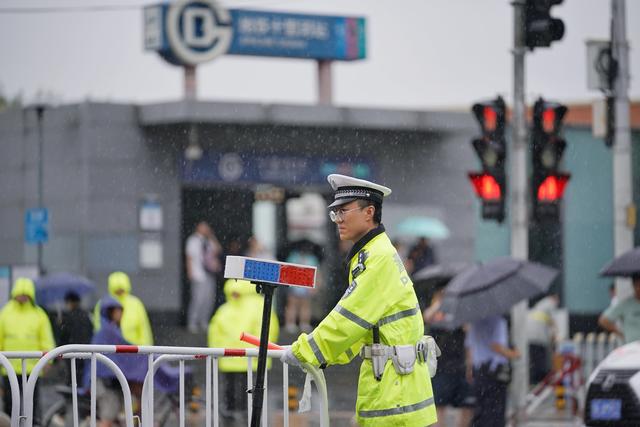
(285,216)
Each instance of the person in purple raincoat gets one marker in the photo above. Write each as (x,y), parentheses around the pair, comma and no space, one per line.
(133,366)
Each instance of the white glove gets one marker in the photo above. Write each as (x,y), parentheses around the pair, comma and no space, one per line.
(289,358)
(305,402)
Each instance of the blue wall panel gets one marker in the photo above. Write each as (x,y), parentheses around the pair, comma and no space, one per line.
(588,225)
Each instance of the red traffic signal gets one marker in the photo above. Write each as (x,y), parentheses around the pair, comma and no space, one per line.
(486,186)
(491,116)
(548,116)
(491,191)
(490,184)
(551,189)
(548,191)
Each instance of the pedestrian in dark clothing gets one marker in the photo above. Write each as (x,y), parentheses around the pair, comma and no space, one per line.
(421,255)
(75,328)
(451,387)
(488,344)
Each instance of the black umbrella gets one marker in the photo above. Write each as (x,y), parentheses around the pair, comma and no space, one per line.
(626,265)
(427,280)
(434,274)
(489,289)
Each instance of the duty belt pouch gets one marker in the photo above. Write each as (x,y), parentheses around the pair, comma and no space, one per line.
(404,357)
(379,359)
(428,352)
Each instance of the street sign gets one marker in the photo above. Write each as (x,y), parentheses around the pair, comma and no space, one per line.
(191,32)
(36,225)
(280,169)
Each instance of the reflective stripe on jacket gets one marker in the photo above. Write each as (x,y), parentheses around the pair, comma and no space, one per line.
(380,293)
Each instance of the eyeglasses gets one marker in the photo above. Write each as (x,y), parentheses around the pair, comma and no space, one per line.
(338,214)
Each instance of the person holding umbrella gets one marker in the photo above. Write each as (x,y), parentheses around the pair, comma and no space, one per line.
(451,383)
(378,317)
(626,312)
(488,344)
(480,295)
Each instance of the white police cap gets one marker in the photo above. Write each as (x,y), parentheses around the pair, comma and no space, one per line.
(348,189)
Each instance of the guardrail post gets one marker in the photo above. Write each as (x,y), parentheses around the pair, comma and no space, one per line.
(15,390)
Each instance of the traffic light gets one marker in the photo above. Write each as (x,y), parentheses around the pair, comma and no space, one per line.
(490,183)
(540,28)
(547,146)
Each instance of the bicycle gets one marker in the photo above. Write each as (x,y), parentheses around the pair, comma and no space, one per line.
(166,403)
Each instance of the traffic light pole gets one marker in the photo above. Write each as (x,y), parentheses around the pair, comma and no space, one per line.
(623,207)
(518,210)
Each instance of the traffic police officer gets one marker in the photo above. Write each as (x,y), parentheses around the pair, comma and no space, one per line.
(378,317)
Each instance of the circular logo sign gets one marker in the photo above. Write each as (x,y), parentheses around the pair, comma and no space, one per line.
(230,167)
(198,30)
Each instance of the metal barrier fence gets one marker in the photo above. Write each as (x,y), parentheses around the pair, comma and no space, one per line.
(579,358)
(593,347)
(23,416)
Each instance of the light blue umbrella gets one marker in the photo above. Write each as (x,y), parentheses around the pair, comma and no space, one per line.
(423,226)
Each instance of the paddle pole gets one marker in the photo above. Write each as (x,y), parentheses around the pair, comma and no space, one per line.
(258,388)
(266,275)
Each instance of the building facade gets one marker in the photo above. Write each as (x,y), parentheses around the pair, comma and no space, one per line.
(122,194)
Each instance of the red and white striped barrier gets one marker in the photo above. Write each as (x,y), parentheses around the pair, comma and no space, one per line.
(164,354)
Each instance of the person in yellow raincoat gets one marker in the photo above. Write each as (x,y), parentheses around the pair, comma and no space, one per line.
(24,326)
(241,313)
(134,324)
(378,317)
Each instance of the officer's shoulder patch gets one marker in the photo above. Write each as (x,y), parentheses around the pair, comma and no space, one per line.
(350,289)
(360,266)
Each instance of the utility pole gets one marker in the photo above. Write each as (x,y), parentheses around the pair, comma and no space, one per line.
(519,220)
(623,207)
(190,83)
(325,82)
(40,115)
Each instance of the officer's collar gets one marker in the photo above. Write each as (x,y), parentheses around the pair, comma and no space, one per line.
(357,247)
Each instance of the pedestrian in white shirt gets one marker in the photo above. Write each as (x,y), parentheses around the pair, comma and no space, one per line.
(203,263)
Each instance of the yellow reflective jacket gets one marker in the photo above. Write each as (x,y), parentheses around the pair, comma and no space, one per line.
(24,327)
(241,313)
(380,293)
(134,324)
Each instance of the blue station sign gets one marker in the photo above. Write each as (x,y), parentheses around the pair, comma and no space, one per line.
(278,169)
(196,31)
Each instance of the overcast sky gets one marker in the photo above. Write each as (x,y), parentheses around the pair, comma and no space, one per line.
(421,54)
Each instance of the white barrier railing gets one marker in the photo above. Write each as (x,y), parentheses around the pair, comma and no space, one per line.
(165,354)
(15,390)
(593,348)
(74,352)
